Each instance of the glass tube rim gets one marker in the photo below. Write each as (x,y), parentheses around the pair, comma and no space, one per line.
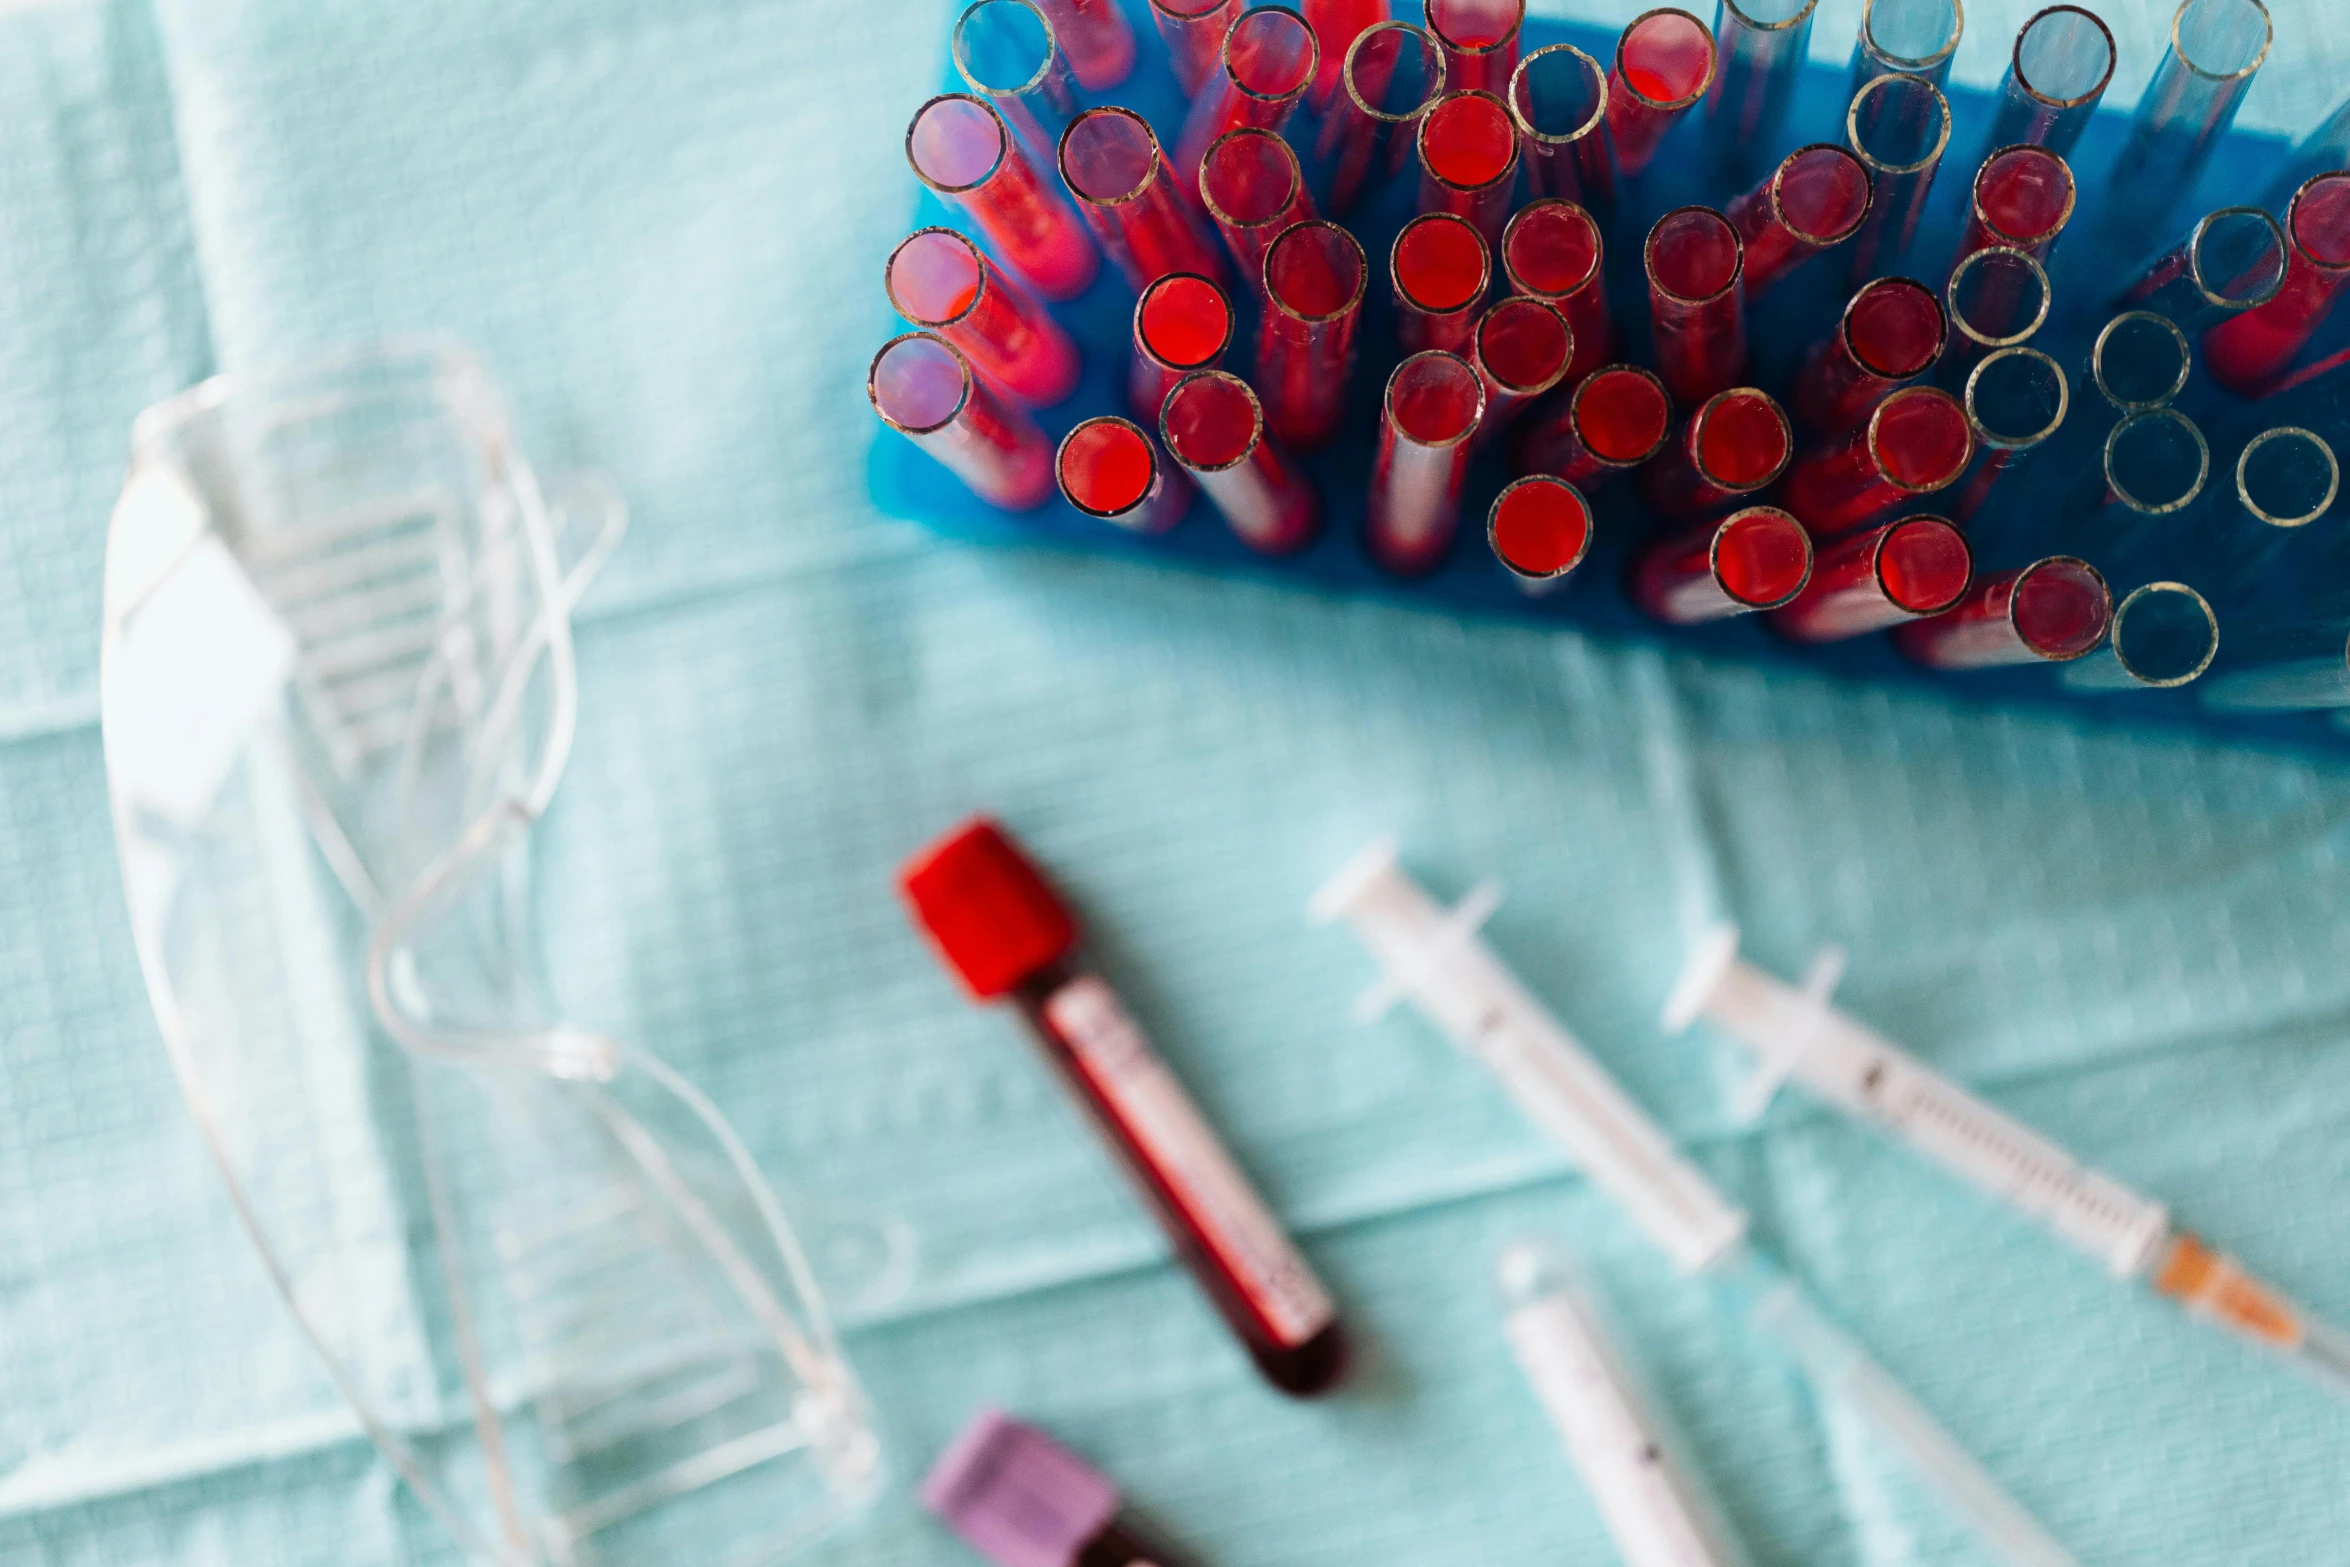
(1713,61)
(1506,40)
(1942,327)
(1395,256)
(1477,341)
(1432,45)
(2015,596)
(1313,55)
(1575,423)
(2023,84)
(1362,274)
(1786,440)
(889,270)
(1525,121)
(2293,228)
(1052,49)
(1901,63)
(1142,338)
(1598,248)
(2164,414)
(2179,52)
(1003,151)
(1171,8)
(2072,195)
(1212,373)
(1297,176)
(2195,256)
(1158,155)
(1387,400)
(2113,634)
(1509,170)
(1713,554)
(1852,138)
(1737,261)
(1493,522)
(873,372)
(2097,361)
(1869,433)
(2277,432)
(2064,396)
(1779,211)
(1733,8)
(1158,472)
(1957,319)
(1885,537)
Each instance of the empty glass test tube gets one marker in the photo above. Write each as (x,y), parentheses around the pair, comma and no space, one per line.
(2164,636)
(1110,470)
(2022,198)
(1391,76)
(938,280)
(1877,578)
(1520,348)
(1558,95)
(1440,269)
(2015,399)
(2152,467)
(924,389)
(2251,351)
(1214,426)
(1252,186)
(2063,58)
(1268,63)
(2230,261)
(1890,333)
(1898,126)
(1182,323)
(1540,529)
(1761,46)
(961,149)
(1664,64)
(1193,31)
(1096,38)
(1552,250)
(1433,405)
(1314,280)
(1751,560)
(2139,361)
(1735,445)
(1917,442)
(1480,41)
(2215,47)
(2053,610)
(1996,299)
(1907,37)
(1337,24)
(1696,302)
(1007,51)
(1469,160)
(2286,478)
(1610,422)
(1818,196)
(1111,164)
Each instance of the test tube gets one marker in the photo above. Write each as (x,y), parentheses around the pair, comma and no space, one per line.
(1389,78)
(1314,280)
(2016,398)
(1520,348)
(2251,351)
(1898,125)
(2215,47)
(1997,299)
(938,280)
(1337,25)
(1110,470)
(1268,63)
(1182,323)
(1695,303)
(1253,189)
(1480,41)
(2063,58)
(1664,64)
(1469,160)
(2164,636)
(2053,610)
(1751,560)
(1006,50)
(1110,161)
(2022,199)
(961,149)
(1193,31)
(1818,196)
(1214,426)
(1615,419)
(1551,250)
(1558,96)
(1891,332)
(1540,529)
(1440,269)
(1908,38)
(1738,443)
(2154,464)
(2139,361)
(2231,260)
(1879,577)
(2285,479)
(1762,44)
(1918,441)
(2298,669)
(1097,39)
(1433,405)
(924,389)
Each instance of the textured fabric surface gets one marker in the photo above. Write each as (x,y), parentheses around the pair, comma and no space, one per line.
(663,225)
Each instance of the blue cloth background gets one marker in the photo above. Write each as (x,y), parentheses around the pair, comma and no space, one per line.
(663,222)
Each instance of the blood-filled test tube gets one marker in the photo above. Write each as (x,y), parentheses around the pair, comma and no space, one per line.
(1005,933)
(960,148)
(1751,560)
(1762,44)
(2022,199)
(1020,1499)
(1193,31)
(1097,39)
(1007,51)
(1696,304)
(1818,196)
(1314,279)
(1480,41)
(1891,332)
(1737,444)
(1551,250)
(1110,162)
(1520,348)
(938,280)
(1997,298)
(1182,323)
(1916,442)
(2139,361)
(1441,269)
(1389,79)
(2251,351)
(1433,406)
(1214,426)
(1664,64)
(1898,126)
(2015,399)
(2062,60)
(1267,65)
(1109,470)
(1610,422)
(1469,160)
(1337,24)
(1253,189)
(1539,528)
(2231,260)
(1558,96)
(1877,578)
(1907,37)
(2054,610)
(2216,46)
(2164,636)
(927,391)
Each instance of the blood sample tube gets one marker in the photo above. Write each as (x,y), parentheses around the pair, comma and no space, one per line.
(1110,162)
(1898,125)
(1877,578)
(1558,96)
(1109,470)
(1737,444)
(2216,46)
(1003,930)
(2063,58)
(1540,530)
(1021,1499)
(1818,196)
(1314,280)
(1268,64)
(1751,560)
(1006,51)
(1480,41)
(2053,610)
(1696,305)
(1389,79)
(1891,332)
(1214,426)
(2164,636)
(938,280)
(1551,250)
(1440,269)
(1469,160)
(2139,361)
(1096,37)
(2022,199)
(1907,37)
(1762,44)
(1253,189)
(1664,64)
(1521,348)
(2232,260)
(1433,405)
(927,391)
(1182,323)
(1337,24)
(1917,441)
(1193,31)
(960,148)
(1614,419)
(2250,352)
(2015,400)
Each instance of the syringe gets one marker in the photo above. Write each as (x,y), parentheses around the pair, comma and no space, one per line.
(1794,1032)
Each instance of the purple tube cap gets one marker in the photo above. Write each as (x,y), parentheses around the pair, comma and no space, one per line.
(1016,1496)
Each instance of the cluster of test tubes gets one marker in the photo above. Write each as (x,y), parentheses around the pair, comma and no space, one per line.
(1936,469)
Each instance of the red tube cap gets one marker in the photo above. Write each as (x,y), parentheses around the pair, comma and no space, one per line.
(986,908)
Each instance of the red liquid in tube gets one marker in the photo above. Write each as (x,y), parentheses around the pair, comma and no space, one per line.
(1615,419)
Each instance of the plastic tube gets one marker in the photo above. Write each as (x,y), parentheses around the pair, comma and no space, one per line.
(927,391)
(1558,96)
(1389,79)
(1433,405)
(1480,41)
(1898,126)
(1614,419)
(1878,578)
(1215,428)
(1007,51)
(1996,299)
(1110,161)
(1907,37)
(2139,361)
(1762,45)
(2063,58)
(1109,470)
(1755,559)
(1182,323)
(937,279)
(2215,47)
(1314,280)
(2022,199)
(1696,305)
(2231,260)
(1552,250)
(1891,332)
(1539,528)
(1818,196)
(1737,444)
(1253,189)
(1469,160)
(2015,399)
(1520,348)
(2309,670)
(1096,38)
(2053,610)
(1440,269)
(1918,441)
(1664,64)
(1268,64)
(2164,636)
(2250,352)
(1193,31)
(961,149)
(1337,25)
